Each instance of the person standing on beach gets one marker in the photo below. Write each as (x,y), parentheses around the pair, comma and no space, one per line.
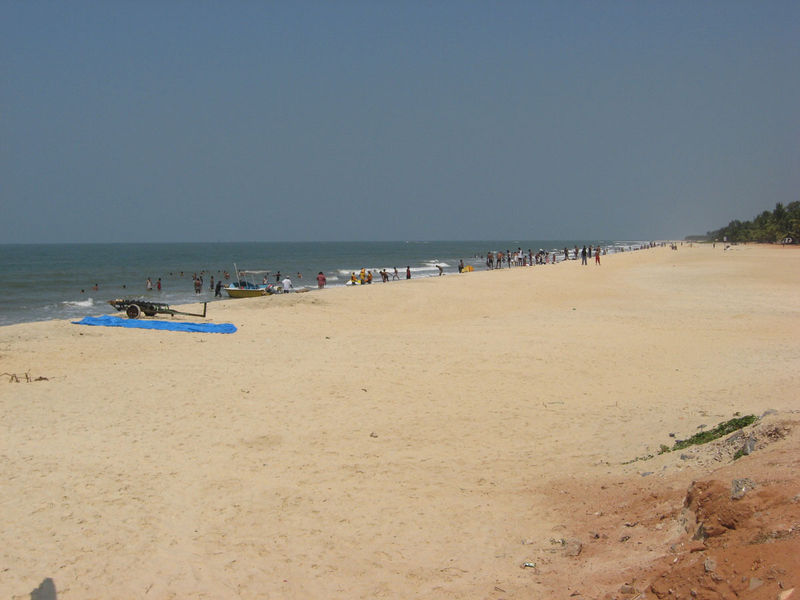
(597,256)
(287,285)
(583,256)
(408,272)
(158,284)
(218,289)
(321,280)
(396,276)
(461,265)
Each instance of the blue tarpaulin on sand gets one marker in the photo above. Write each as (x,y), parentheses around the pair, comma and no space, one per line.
(109,321)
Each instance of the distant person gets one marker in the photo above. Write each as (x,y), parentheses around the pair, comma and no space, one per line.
(396,275)
(210,287)
(158,284)
(369,276)
(218,289)
(408,272)
(148,285)
(583,256)
(198,285)
(597,256)
(461,265)
(287,285)
(353,280)
(321,281)
(441,270)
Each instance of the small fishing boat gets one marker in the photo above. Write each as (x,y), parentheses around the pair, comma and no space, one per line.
(245,287)
(243,291)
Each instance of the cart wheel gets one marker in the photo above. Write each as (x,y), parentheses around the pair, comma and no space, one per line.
(133,311)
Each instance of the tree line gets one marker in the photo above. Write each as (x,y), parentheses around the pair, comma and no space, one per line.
(779,225)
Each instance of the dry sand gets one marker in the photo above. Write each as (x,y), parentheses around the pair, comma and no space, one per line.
(422,439)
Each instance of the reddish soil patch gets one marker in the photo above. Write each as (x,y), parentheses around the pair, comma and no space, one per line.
(707,533)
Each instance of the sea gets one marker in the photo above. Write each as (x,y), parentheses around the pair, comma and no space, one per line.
(70,281)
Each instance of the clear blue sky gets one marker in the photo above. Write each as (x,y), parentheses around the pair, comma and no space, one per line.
(143,121)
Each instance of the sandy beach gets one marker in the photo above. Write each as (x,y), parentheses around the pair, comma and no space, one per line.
(432,438)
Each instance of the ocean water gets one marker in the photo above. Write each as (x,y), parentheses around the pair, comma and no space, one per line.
(56,281)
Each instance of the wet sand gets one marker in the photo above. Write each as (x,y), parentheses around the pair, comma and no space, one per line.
(407,439)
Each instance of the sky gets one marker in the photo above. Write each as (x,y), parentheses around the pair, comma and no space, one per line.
(178,121)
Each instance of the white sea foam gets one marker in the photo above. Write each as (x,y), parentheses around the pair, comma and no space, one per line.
(79,303)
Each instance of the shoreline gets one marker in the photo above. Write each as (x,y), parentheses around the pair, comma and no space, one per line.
(75,280)
(405,441)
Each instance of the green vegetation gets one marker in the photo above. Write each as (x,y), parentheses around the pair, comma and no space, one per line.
(637,459)
(768,227)
(712,434)
(704,437)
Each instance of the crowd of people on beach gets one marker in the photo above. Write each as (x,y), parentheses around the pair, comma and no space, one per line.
(365,276)
(493,259)
(520,258)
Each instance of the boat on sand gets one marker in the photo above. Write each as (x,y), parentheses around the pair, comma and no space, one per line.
(245,286)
